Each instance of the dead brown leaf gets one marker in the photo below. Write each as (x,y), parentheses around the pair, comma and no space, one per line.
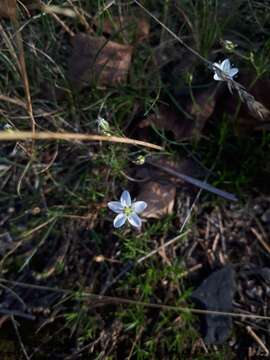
(138,27)
(159,189)
(200,110)
(95,59)
(8,8)
(186,166)
(160,199)
(166,118)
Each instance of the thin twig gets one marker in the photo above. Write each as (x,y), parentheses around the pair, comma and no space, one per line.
(13,101)
(257,339)
(163,246)
(23,71)
(18,298)
(261,240)
(105,8)
(194,52)
(64,26)
(28,135)
(16,313)
(191,270)
(24,236)
(201,184)
(19,338)
(119,300)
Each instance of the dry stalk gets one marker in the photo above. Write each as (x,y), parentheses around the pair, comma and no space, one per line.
(119,300)
(43,135)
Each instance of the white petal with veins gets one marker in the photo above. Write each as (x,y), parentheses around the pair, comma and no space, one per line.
(226,68)
(217,78)
(139,206)
(134,220)
(115,206)
(119,220)
(125,199)
(233,72)
(226,65)
(127,210)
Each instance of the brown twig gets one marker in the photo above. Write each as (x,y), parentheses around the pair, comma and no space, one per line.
(23,70)
(16,313)
(118,300)
(64,26)
(28,135)
(14,323)
(13,101)
(201,184)
(257,339)
(163,246)
(261,240)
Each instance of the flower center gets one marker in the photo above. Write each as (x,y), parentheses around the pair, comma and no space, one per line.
(128,211)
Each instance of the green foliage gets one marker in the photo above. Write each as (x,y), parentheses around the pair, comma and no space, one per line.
(70,183)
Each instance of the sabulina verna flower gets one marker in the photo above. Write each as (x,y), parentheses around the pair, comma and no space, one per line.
(127,210)
(103,126)
(7,127)
(225,67)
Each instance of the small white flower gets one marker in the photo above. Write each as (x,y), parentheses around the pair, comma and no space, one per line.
(103,125)
(225,66)
(7,127)
(127,210)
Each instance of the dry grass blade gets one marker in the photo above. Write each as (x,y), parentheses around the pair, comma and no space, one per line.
(18,54)
(119,300)
(261,240)
(23,71)
(258,340)
(14,323)
(201,184)
(14,101)
(28,135)
(54,9)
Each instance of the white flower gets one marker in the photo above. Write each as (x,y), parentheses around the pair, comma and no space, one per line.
(7,127)
(225,66)
(103,125)
(127,210)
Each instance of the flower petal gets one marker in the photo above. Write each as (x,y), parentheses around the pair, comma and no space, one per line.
(125,199)
(119,220)
(226,66)
(115,206)
(233,72)
(217,65)
(134,220)
(139,206)
(217,78)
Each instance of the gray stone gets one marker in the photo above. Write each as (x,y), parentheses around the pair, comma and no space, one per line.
(216,294)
